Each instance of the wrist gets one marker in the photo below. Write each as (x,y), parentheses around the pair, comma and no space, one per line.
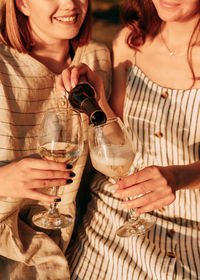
(186,176)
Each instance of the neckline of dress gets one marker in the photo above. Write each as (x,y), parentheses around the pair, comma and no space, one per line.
(30,60)
(137,69)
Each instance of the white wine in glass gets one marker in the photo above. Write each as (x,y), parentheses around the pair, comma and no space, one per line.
(112,154)
(113,167)
(61,152)
(60,140)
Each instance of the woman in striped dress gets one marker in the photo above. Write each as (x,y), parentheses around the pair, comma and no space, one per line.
(156,91)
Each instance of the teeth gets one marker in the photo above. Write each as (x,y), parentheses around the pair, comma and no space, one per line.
(67,19)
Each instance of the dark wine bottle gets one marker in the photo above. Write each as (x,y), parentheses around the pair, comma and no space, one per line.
(82,98)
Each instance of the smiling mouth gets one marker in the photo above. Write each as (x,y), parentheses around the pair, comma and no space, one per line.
(71,19)
(168,5)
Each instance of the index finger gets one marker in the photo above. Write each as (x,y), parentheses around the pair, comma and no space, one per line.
(63,82)
(47,165)
(83,70)
(135,178)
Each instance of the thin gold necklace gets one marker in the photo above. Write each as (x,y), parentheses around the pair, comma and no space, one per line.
(171,53)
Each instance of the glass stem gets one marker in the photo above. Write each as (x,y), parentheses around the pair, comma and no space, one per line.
(132,218)
(54,205)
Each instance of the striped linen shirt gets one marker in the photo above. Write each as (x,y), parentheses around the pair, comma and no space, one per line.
(166,122)
(27,91)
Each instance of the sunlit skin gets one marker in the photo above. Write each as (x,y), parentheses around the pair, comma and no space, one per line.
(176,10)
(53,20)
(53,23)
(179,18)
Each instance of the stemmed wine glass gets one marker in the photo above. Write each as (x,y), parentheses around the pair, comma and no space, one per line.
(60,140)
(112,154)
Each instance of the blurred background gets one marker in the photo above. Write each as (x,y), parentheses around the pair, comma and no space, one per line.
(106,21)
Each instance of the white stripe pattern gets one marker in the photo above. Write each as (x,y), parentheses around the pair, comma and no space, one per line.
(167,122)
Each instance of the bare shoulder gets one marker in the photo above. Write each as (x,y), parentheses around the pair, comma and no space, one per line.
(121,36)
(122,59)
(121,51)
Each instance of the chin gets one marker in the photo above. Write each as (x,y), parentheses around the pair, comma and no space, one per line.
(69,35)
(168,17)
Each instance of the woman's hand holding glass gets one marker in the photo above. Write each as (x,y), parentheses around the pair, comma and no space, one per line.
(154,185)
(24,178)
(112,154)
(60,141)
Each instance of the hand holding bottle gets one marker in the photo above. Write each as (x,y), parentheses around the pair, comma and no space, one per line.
(72,76)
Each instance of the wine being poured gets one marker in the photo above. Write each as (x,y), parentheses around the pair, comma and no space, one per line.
(82,98)
(113,167)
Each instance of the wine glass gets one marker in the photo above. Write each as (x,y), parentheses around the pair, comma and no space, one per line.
(112,154)
(60,140)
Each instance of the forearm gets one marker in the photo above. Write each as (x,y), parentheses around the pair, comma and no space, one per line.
(187,176)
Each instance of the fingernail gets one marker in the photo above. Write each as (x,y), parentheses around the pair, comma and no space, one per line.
(69,166)
(123,206)
(73,84)
(113,188)
(63,93)
(117,195)
(67,89)
(69,181)
(66,94)
(72,174)
(57,200)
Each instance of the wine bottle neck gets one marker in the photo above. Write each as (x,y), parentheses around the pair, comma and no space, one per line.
(92,109)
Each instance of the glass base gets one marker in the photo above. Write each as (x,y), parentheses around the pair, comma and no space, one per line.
(48,221)
(139,227)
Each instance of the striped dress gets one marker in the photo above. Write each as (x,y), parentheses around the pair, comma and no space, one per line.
(167,122)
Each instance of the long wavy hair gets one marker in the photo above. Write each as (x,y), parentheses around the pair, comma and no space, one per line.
(15,30)
(142,18)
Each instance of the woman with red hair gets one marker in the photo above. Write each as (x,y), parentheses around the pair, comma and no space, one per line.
(156,92)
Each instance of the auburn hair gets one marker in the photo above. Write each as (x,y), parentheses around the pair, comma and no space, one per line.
(142,18)
(15,30)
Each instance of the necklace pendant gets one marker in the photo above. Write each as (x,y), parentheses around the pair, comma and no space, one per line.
(172,53)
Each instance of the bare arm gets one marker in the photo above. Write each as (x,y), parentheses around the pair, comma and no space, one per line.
(122,60)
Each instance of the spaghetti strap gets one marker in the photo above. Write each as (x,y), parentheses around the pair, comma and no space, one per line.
(134,58)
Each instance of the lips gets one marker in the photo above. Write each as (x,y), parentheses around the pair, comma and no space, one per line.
(168,4)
